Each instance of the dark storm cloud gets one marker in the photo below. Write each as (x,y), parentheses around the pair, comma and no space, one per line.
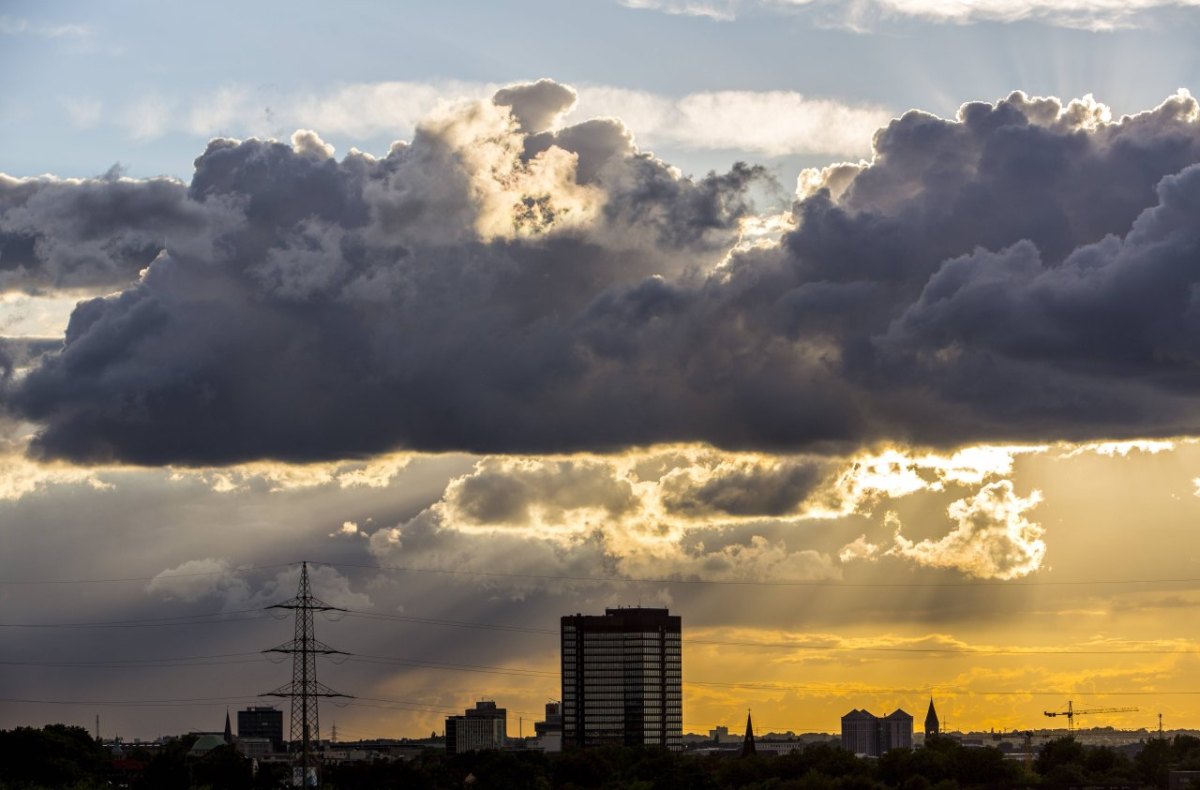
(746,490)
(496,493)
(95,233)
(497,285)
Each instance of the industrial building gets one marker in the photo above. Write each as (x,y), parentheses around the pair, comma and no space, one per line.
(865,733)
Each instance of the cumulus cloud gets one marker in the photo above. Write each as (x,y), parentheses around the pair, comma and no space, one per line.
(218,579)
(524,560)
(1019,274)
(993,538)
(197,579)
(96,233)
(20,476)
(600,517)
(274,477)
(859,549)
(656,492)
(738,486)
(524,492)
(694,513)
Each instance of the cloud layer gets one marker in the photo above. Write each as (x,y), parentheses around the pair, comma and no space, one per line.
(1085,14)
(503,284)
(775,123)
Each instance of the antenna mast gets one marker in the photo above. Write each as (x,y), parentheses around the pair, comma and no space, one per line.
(305,689)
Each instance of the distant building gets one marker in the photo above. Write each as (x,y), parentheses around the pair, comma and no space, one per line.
(932,727)
(865,733)
(621,678)
(767,745)
(722,736)
(860,732)
(895,731)
(262,722)
(255,747)
(549,732)
(483,727)
(206,743)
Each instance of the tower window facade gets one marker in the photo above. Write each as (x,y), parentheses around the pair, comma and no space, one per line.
(622,678)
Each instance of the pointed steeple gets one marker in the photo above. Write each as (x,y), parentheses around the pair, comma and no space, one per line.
(931,721)
(748,742)
(228,728)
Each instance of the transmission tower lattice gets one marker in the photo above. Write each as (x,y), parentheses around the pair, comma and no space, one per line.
(305,689)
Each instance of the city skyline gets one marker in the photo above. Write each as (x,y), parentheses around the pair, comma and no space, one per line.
(864,341)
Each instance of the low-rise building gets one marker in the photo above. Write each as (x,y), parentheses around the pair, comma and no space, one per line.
(549,732)
(483,727)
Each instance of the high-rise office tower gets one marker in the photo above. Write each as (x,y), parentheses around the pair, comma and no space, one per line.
(622,678)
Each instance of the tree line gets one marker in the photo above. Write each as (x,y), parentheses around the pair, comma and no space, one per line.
(61,756)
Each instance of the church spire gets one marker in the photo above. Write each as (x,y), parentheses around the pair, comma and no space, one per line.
(931,721)
(748,742)
(228,728)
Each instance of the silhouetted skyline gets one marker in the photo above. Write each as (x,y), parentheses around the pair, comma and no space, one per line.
(863,340)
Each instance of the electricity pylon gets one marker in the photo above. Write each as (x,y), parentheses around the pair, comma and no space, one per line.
(305,689)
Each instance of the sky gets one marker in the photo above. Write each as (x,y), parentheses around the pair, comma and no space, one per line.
(863,336)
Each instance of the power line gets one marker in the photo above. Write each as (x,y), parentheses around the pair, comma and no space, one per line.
(220,659)
(795,645)
(431,706)
(434,708)
(490,670)
(941,690)
(132,664)
(452,623)
(533,673)
(966,651)
(819,583)
(179,702)
(159,576)
(154,622)
(255,614)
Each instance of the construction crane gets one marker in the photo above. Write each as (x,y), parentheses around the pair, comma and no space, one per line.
(1071,713)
